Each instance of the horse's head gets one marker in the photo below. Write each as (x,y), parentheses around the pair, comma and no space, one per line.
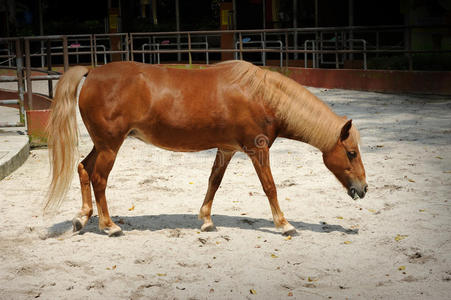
(345,162)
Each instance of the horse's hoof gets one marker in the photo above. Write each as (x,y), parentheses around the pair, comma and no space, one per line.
(76,224)
(113,231)
(79,222)
(289,230)
(208,227)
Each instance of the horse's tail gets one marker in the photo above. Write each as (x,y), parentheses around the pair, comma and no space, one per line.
(63,136)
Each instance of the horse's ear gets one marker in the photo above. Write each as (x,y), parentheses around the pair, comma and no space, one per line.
(345,130)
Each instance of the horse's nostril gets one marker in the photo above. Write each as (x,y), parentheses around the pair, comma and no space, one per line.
(353,193)
(365,188)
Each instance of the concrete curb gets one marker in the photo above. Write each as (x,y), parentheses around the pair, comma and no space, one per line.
(14,151)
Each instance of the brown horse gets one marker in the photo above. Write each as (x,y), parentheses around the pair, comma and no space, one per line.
(232,106)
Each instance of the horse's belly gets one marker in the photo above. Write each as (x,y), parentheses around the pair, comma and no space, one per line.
(185,140)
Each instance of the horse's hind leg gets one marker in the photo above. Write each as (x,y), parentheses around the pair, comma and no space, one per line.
(84,172)
(217,172)
(102,167)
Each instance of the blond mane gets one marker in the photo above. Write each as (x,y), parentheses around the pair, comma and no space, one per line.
(306,116)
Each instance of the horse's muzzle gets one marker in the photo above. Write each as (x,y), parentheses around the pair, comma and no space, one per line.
(357,192)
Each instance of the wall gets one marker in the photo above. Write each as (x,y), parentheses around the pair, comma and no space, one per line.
(420,82)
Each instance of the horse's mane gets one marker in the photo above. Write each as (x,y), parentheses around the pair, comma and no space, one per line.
(306,116)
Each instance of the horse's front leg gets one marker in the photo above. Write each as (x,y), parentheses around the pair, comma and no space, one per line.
(260,160)
(217,173)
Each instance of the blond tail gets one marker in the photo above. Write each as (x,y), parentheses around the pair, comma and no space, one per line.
(63,136)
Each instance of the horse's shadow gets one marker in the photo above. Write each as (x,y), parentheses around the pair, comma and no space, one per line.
(190,221)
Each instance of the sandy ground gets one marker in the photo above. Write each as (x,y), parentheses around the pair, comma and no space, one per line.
(394,244)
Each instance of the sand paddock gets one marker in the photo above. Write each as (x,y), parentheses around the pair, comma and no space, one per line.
(394,243)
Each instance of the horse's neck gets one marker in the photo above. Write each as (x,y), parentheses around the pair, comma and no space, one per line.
(309,120)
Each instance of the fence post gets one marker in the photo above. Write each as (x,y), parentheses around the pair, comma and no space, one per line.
(132,55)
(95,50)
(365,66)
(49,67)
(20,84)
(263,38)
(65,54)
(337,66)
(286,48)
(241,46)
(127,50)
(92,51)
(189,49)
(28,74)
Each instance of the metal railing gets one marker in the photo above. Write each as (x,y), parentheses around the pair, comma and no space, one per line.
(16,43)
(30,56)
(332,46)
(318,57)
(155,57)
(249,44)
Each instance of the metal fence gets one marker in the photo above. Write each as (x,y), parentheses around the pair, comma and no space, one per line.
(15,45)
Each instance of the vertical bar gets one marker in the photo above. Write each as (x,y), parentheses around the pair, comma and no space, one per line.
(177,28)
(343,46)
(9,55)
(336,48)
(158,53)
(65,54)
(264,33)
(189,49)
(351,23)
(28,74)
(377,43)
(49,67)
(241,46)
(234,15)
(263,38)
(281,54)
(320,47)
(316,19)
(364,55)
(295,25)
(76,51)
(42,55)
(206,53)
(132,56)
(19,67)
(92,50)
(143,57)
(315,58)
(95,50)
(154,55)
(127,54)
(286,48)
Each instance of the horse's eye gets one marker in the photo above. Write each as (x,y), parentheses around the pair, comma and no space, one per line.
(351,154)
